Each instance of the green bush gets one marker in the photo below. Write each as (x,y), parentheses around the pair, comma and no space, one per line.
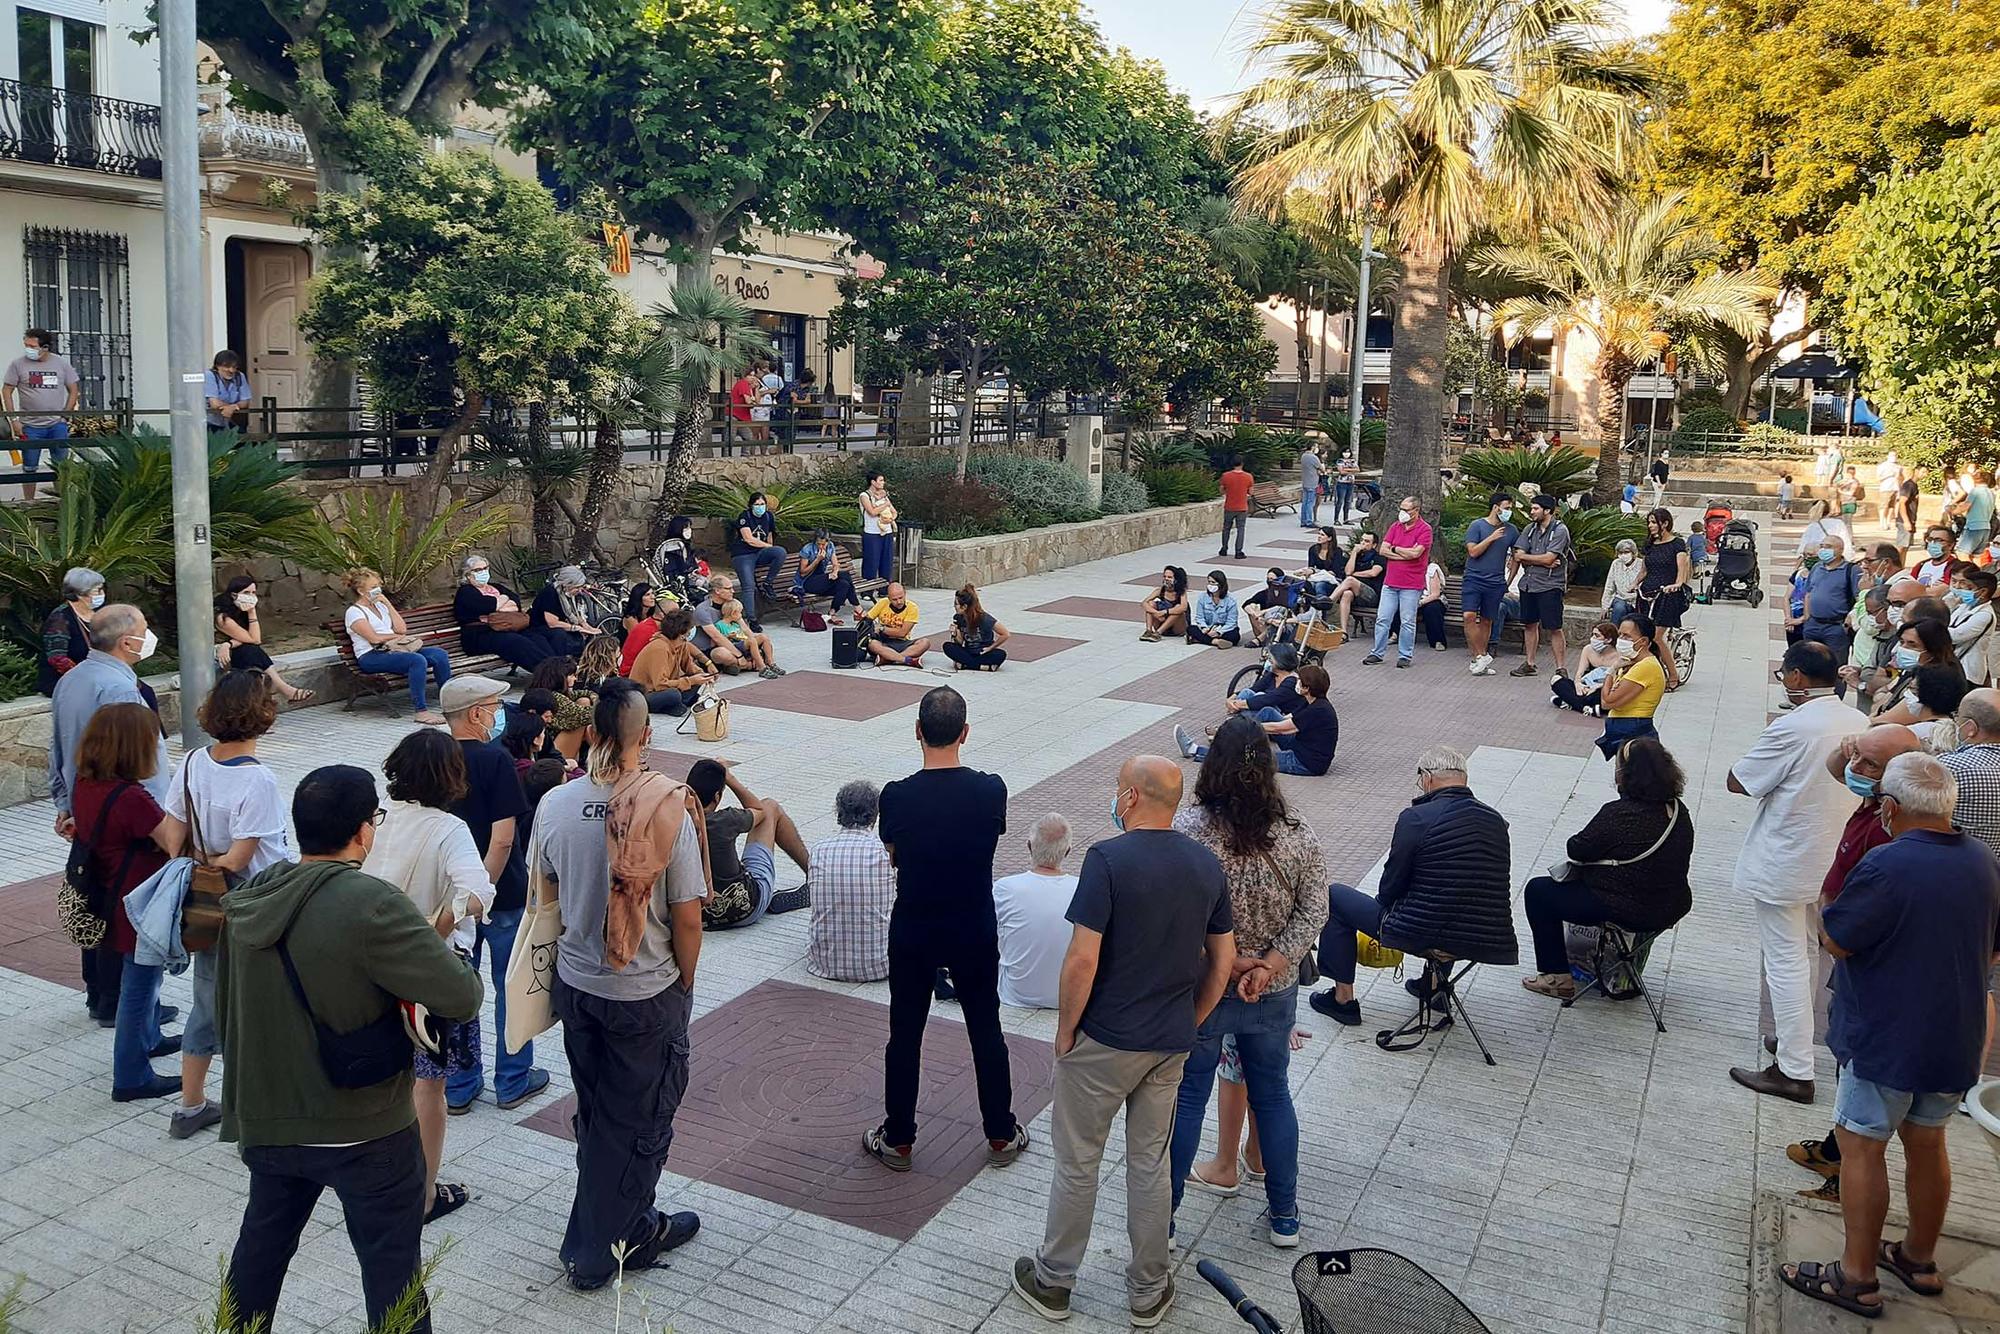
(17,672)
(1557,471)
(1037,491)
(1261,452)
(1178,451)
(798,509)
(1178,486)
(1704,420)
(1766,436)
(1123,493)
(376,534)
(951,509)
(1595,534)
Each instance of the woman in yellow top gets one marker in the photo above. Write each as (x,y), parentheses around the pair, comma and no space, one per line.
(1634,688)
(893,643)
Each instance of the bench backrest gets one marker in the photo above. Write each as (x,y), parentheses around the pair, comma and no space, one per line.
(435,624)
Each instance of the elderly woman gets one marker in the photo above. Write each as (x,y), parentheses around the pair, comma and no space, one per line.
(1621,582)
(65,636)
(1277,894)
(240,642)
(490,619)
(1627,867)
(554,614)
(383,643)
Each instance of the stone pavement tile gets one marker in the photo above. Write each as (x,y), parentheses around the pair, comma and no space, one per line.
(1104,609)
(850,696)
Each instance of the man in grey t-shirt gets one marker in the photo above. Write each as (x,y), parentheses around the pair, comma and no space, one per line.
(1543,556)
(39,383)
(1310,469)
(625,1030)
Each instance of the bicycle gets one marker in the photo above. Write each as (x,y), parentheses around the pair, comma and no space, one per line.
(1680,640)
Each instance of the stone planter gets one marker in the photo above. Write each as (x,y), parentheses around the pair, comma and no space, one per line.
(991,560)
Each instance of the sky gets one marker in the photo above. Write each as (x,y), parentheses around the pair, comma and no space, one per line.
(1201,41)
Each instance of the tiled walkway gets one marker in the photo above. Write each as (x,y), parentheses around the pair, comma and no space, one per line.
(1601,1176)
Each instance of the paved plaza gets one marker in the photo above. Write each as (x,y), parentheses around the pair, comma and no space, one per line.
(1600,1176)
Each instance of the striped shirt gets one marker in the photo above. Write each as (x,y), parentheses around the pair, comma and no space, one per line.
(853,887)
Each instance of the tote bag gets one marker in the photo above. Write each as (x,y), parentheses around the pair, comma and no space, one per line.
(531,971)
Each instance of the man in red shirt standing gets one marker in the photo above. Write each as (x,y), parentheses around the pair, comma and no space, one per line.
(1236,484)
(1407,549)
(742,395)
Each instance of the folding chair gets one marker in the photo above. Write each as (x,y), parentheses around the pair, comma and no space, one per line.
(1441,1004)
(1619,950)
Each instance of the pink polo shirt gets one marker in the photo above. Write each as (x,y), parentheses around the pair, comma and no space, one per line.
(1408,573)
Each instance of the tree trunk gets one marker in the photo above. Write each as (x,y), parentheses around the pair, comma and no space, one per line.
(1415,449)
(1614,373)
(542,507)
(330,382)
(690,428)
(913,411)
(426,495)
(971,384)
(607,458)
(1302,334)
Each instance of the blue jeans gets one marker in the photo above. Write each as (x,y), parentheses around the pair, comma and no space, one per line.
(416,666)
(1398,604)
(510,1069)
(1308,505)
(1343,500)
(138,1027)
(32,458)
(1264,715)
(1263,1034)
(1288,763)
(878,554)
(747,567)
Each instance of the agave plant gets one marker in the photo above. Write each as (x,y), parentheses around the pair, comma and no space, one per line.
(1556,471)
(797,509)
(1177,451)
(375,533)
(1336,427)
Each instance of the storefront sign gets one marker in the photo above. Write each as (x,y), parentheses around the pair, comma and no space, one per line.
(744,289)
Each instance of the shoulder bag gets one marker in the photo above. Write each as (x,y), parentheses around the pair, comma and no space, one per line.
(531,969)
(82,901)
(201,911)
(1309,961)
(1565,868)
(372,1054)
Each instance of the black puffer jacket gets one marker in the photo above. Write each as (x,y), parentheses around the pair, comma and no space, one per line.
(1448,883)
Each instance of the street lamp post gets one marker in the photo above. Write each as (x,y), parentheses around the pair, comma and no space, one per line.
(194,576)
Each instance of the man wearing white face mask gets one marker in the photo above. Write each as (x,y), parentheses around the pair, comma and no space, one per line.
(41,382)
(1784,854)
(1407,546)
(119,639)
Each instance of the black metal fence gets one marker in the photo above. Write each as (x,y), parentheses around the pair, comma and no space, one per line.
(90,133)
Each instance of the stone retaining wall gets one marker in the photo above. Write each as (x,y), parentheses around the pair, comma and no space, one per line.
(992,560)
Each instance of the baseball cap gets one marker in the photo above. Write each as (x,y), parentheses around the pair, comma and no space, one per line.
(465,692)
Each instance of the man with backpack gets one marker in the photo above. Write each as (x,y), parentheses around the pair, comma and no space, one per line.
(1831,588)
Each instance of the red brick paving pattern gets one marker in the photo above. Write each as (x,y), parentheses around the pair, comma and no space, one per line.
(1033,648)
(855,695)
(31,941)
(783,1081)
(1103,609)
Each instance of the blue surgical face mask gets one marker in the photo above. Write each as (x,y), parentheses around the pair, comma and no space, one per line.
(499,722)
(1965,596)
(1826,554)
(1506,513)
(97,599)
(1935,548)
(1906,658)
(758,509)
(1859,784)
(1116,818)
(481,576)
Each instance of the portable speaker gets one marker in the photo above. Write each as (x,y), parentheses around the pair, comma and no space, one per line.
(846,646)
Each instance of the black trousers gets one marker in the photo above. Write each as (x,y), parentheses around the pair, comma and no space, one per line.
(669,701)
(839,591)
(1564,689)
(103,976)
(914,959)
(1550,903)
(629,1063)
(381,1189)
(1197,635)
(972,658)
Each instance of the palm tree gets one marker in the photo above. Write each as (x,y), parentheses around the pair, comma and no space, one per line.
(712,334)
(1421,114)
(646,388)
(1626,279)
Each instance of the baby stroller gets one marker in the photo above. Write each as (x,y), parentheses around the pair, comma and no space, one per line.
(1736,564)
(1361,1291)
(1714,520)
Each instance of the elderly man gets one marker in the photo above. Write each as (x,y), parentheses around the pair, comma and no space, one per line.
(1913,933)
(1153,948)
(1032,912)
(119,640)
(1831,588)
(852,887)
(1784,849)
(1447,885)
(711,641)
(1976,766)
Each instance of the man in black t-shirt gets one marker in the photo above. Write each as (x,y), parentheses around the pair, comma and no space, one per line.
(493,808)
(1151,952)
(941,825)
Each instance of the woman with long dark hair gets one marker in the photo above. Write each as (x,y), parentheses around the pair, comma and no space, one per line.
(1277,893)
(1166,607)
(1663,587)
(641,622)
(976,638)
(243,636)
(1920,643)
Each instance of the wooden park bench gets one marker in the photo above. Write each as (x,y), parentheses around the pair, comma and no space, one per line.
(865,589)
(1267,500)
(436,626)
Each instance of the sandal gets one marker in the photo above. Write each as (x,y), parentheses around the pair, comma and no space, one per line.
(448,1196)
(1554,987)
(1212,1187)
(300,695)
(1827,1283)
(1890,1256)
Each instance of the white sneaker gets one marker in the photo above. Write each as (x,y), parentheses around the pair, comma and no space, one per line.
(1483,665)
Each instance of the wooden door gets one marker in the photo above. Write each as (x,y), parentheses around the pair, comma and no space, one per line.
(274,291)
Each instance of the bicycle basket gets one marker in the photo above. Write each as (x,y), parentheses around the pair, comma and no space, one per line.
(1372,1291)
(1323,638)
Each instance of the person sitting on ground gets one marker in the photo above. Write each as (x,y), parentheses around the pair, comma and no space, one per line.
(1166,607)
(1447,886)
(1972,622)
(1215,619)
(383,643)
(525,733)
(1363,585)
(491,621)
(1628,866)
(1924,642)
(823,572)
(554,614)
(1277,687)
(1594,662)
(1621,581)
(1305,740)
(1632,689)
(242,643)
(976,638)
(852,886)
(670,669)
(707,638)
(597,664)
(1269,605)
(729,623)
(744,888)
(570,708)
(642,622)
(895,618)
(1032,911)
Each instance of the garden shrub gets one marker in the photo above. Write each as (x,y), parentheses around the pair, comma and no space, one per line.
(1704,419)
(1123,493)
(1178,486)
(1038,491)
(949,508)
(1767,436)
(1559,471)
(1177,451)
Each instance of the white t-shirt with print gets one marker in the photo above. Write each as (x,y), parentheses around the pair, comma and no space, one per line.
(234,799)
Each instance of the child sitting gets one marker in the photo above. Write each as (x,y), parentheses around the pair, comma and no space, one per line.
(729,624)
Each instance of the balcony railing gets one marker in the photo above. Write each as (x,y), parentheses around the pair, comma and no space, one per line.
(65,129)
(255,137)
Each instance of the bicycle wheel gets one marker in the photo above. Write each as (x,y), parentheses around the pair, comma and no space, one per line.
(1684,655)
(1243,679)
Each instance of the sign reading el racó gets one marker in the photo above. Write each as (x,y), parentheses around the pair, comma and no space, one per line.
(744,289)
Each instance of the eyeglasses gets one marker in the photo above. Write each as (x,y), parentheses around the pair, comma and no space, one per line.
(378,817)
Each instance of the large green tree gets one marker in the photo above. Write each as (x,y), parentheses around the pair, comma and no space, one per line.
(1429,115)
(1627,279)
(1920,304)
(1777,117)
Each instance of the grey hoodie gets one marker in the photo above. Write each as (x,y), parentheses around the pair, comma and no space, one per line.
(359,945)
